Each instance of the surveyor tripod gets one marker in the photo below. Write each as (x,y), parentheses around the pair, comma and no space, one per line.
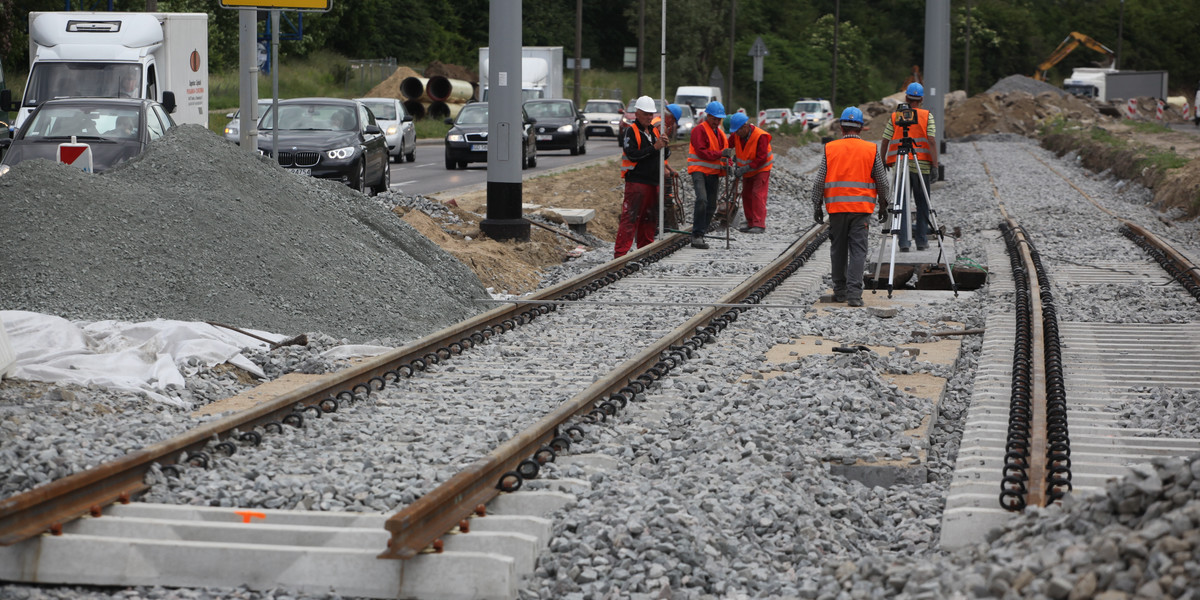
(900,198)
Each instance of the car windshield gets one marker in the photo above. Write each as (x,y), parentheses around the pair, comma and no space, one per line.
(539,110)
(694,101)
(808,107)
(109,122)
(311,117)
(473,115)
(602,107)
(262,107)
(50,80)
(383,110)
(776,113)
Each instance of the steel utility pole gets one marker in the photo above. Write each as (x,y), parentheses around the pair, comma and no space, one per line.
(504,149)
(837,18)
(967,55)
(1120,34)
(732,40)
(641,42)
(578,52)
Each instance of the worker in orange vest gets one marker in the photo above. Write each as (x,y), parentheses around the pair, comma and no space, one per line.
(851,184)
(708,156)
(924,136)
(752,151)
(640,166)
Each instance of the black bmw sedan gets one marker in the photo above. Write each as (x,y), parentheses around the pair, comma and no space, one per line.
(467,140)
(106,132)
(330,138)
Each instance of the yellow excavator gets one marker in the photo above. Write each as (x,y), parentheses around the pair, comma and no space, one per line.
(1070,43)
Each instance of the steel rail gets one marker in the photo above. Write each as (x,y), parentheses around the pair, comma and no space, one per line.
(428,518)
(45,508)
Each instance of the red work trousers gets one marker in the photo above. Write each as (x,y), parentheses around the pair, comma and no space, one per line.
(754,199)
(639,217)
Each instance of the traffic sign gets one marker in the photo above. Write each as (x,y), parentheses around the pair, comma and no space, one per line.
(76,155)
(313,5)
(759,48)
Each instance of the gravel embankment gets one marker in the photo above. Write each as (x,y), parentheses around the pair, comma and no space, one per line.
(728,491)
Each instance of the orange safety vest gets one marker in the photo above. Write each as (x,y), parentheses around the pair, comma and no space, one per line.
(849,185)
(918,133)
(746,153)
(628,165)
(716,143)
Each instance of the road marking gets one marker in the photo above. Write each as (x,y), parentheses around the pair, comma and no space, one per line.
(404,183)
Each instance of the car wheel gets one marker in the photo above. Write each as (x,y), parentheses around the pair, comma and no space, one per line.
(462,164)
(399,157)
(583,146)
(359,181)
(412,154)
(385,180)
(574,149)
(450,164)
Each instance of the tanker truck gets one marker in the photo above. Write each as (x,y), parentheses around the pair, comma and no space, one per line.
(541,72)
(161,56)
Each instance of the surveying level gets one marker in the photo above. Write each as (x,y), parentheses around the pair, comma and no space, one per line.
(906,118)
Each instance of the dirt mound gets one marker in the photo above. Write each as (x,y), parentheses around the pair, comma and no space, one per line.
(1017,111)
(390,87)
(440,69)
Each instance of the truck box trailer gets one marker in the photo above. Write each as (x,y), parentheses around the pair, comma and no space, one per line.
(162,56)
(541,72)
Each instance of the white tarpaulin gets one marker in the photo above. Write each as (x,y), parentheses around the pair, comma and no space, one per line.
(137,357)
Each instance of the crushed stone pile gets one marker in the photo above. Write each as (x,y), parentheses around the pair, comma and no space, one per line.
(196,229)
(1017,111)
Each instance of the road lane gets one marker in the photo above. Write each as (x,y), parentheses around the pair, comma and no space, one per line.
(427,175)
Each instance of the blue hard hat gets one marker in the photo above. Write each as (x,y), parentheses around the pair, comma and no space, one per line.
(736,121)
(715,109)
(915,90)
(675,111)
(852,116)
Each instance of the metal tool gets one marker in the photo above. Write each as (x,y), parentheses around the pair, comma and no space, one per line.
(300,340)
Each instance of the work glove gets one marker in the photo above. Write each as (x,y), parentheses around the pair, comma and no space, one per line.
(818,215)
(883,213)
(729,153)
(738,172)
(929,179)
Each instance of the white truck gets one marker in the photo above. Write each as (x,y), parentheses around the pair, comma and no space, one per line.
(1105,84)
(162,56)
(541,72)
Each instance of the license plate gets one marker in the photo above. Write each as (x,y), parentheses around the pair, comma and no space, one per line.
(543,138)
(302,171)
(478,147)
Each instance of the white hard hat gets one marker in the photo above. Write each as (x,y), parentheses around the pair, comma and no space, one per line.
(645,103)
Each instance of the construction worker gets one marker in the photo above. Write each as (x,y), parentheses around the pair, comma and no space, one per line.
(640,167)
(752,150)
(924,136)
(708,156)
(851,184)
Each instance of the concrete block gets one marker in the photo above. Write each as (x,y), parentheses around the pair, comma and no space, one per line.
(538,504)
(575,218)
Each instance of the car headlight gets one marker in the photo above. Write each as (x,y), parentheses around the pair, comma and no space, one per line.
(340,153)
(4,169)
(454,137)
(615,122)
(566,129)
(231,130)
(391,130)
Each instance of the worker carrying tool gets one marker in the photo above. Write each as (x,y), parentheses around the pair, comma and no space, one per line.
(850,182)
(754,157)
(709,155)
(924,137)
(640,166)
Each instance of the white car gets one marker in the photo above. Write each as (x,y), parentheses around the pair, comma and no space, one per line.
(815,112)
(773,118)
(233,128)
(397,127)
(603,117)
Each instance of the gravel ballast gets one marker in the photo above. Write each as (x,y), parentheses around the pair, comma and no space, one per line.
(726,488)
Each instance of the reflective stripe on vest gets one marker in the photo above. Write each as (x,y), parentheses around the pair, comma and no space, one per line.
(849,186)
(628,165)
(747,153)
(918,133)
(715,142)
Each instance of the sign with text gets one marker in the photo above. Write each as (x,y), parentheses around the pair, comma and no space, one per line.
(314,5)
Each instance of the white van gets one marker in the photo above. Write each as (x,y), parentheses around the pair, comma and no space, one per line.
(697,96)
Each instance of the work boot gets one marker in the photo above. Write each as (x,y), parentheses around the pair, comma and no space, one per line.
(698,242)
(922,246)
(839,297)
(854,302)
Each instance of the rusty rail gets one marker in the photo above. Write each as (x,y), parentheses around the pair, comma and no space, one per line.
(421,523)
(47,507)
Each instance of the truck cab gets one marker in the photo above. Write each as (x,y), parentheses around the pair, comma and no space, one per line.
(1088,82)
(158,56)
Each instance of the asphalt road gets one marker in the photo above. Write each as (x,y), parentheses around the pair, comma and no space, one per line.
(428,174)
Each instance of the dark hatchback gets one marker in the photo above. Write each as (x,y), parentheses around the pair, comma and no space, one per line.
(115,130)
(329,138)
(559,125)
(467,140)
